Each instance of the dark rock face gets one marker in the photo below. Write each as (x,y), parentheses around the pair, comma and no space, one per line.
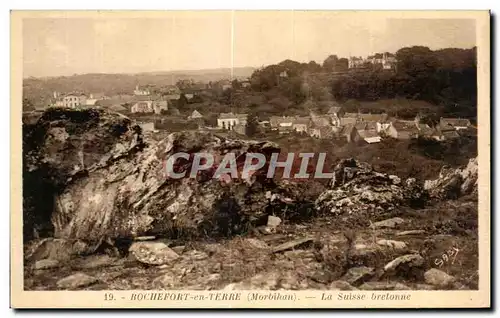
(357,187)
(453,183)
(93,176)
(61,146)
(134,197)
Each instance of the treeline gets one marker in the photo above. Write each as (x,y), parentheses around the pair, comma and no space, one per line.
(446,77)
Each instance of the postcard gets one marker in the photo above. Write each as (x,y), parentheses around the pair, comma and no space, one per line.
(250,159)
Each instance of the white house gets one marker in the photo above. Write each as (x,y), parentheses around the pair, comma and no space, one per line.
(159,106)
(142,107)
(141,91)
(229,120)
(278,122)
(74,100)
(90,102)
(147,127)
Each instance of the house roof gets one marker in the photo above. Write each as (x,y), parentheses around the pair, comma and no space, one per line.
(232,116)
(147,102)
(347,120)
(450,134)
(425,129)
(161,103)
(276,120)
(324,131)
(374,117)
(172,96)
(301,120)
(196,114)
(371,125)
(73,94)
(141,98)
(454,122)
(405,125)
(360,126)
(285,128)
(351,115)
(347,129)
(117,108)
(368,134)
(334,110)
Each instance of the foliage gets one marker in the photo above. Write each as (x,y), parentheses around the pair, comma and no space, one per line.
(252,127)
(28,104)
(446,78)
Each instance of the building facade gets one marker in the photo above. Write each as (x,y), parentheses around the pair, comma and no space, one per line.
(139,91)
(74,100)
(227,121)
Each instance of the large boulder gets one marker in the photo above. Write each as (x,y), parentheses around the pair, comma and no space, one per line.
(453,183)
(93,176)
(134,197)
(357,187)
(63,145)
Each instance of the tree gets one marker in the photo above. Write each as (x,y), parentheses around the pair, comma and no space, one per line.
(235,84)
(28,104)
(330,63)
(342,65)
(313,67)
(252,127)
(182,102)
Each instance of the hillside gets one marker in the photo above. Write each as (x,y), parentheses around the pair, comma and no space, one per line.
(39,90)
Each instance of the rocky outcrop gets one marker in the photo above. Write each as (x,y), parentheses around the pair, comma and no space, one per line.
(357,187)
(93,176)
(453,183)
(61,146)
(134,197)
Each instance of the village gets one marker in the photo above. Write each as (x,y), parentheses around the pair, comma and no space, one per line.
(152,108)
(163,157)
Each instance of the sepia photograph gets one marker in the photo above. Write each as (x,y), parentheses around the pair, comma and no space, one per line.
(248,156)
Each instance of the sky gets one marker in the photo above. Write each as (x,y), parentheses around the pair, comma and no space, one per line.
(62,45)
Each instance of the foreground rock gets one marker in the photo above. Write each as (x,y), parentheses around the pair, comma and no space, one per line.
(55,249)
(453,183)
(109,181)
(153,253)
(341,285)
(438,278)
(47,264)
(61,146)
(389,223)
(273,280)
(357,187)
(406,261)
(76,280)
(358,275)
(396,245)
(384,286)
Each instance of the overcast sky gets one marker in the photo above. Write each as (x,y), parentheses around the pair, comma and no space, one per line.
(204,40)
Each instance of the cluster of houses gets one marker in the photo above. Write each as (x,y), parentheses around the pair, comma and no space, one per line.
(76,99)
(386,60)
(353,127)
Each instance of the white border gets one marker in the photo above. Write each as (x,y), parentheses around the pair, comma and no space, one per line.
(214,4)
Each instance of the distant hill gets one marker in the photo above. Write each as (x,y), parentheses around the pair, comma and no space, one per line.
(40,90)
